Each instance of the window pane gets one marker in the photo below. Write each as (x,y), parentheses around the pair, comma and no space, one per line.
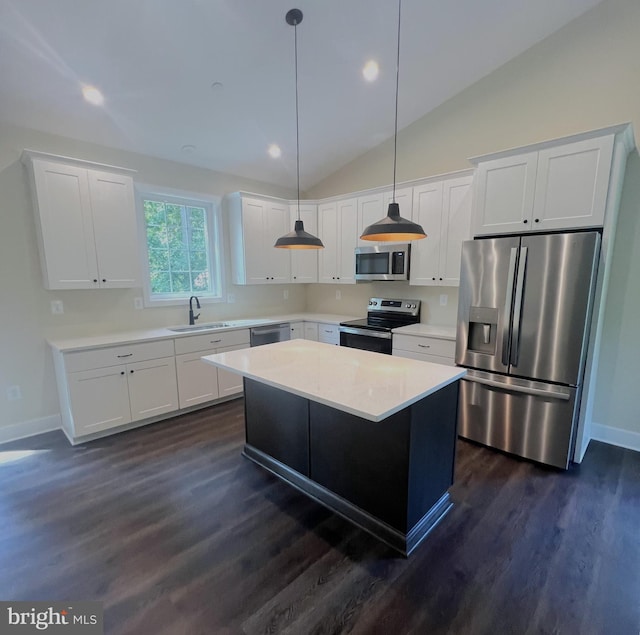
(154,213)
(181,282)
(200,281)
(160,282)
(174,215)
(198,239)
(158,260)
(198,261)
(179,260)
(196,217)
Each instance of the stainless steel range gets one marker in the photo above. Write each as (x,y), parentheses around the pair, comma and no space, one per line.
(373,333)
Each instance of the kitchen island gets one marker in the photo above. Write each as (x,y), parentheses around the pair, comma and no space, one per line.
(371,437)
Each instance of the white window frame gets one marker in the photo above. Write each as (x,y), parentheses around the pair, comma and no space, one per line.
(211,204)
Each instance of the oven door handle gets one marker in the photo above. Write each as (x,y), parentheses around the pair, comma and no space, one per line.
(385,335)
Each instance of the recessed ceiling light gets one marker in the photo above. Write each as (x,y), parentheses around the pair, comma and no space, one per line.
(188,148)
(92,95)
(216,86)
(370,71)
(274,151)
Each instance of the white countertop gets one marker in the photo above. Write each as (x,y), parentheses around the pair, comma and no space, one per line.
(426,330)
(365,384)
(129,337)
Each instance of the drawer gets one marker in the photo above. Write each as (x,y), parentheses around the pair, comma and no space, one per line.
(103,357)
(427,345)
(311,331)
(329,334)
(424,357)
(213,339)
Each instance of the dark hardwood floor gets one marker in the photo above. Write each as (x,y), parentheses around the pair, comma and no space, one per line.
(176,533)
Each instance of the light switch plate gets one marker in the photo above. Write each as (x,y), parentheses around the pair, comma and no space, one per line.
(338,294)
(231,298)
(57,308)
(444,299)
(137,303)
(285,293)
(14,393)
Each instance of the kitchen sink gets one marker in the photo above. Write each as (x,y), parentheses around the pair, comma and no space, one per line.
(199,327)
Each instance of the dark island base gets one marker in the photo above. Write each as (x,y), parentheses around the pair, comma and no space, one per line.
(389,478)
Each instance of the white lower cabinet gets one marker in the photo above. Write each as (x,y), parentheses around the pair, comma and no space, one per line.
(107,387)
(297,330)
(426,349)
(329,334)
(152,388)
(199,382)
(311,331)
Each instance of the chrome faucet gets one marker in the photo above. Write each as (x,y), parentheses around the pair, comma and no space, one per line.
(192,317)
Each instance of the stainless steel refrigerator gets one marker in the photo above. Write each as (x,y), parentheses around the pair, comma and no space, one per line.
(524,315)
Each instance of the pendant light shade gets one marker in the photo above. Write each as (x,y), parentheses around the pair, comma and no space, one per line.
(298,238)
(394,228)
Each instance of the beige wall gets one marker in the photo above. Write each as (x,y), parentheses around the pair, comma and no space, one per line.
(583,77)
(25,317)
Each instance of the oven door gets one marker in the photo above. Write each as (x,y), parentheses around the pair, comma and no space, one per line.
(366,339)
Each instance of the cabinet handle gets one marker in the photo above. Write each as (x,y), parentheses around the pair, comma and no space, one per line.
(122,372)
(525,221)
(537,220)
(104,279)
(433,278)
(131,372)
(424,345)
(127,355)
(214,341)
(95,280)
(440,279)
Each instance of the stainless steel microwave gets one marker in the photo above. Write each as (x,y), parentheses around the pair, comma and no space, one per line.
(383,262)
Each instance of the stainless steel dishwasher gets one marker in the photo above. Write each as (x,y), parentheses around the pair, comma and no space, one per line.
(268,334)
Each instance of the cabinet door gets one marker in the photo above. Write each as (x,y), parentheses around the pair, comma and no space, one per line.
(65,226)
(114,225)
(328,232)
(197,380)
(99,399)
(311,331)
(347,236)
(503,195)
(229,383)
(153,388)
(297,330)
(572,184)
(304,262)
(329,334)
(404,198)
(456,228)
(277,262)
(425,254)
(370,210)
(253,212)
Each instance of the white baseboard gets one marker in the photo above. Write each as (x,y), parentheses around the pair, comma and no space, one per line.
(25,429)
(616,436)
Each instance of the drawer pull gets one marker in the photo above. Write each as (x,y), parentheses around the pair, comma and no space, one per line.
(214,341)
(127,355)
(424,345)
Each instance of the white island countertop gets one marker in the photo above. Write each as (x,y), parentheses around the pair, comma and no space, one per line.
(362,383)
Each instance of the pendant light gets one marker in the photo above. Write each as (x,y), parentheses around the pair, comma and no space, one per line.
(298,238)
(394,228)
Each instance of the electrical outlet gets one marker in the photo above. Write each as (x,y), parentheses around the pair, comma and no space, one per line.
(338,294)
(57,308)
(444,299)
(285,293)
(231,298)
(14,393)
(137,303)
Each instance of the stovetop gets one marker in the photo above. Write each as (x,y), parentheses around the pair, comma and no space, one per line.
(385,314)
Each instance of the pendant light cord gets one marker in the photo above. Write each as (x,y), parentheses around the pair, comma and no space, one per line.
(295,39)
(395,136)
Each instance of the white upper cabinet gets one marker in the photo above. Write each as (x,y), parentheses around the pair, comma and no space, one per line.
(561,186)
(337,228)
(304,262)
(370,209)
(443,208)
(86,225)
(255,225)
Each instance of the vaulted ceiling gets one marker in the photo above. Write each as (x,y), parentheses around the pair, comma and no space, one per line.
(211,82)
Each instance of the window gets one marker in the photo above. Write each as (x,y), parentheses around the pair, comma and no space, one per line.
(181,240)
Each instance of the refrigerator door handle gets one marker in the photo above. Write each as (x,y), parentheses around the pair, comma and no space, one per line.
(517,306)
(553,394)
(508,301)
